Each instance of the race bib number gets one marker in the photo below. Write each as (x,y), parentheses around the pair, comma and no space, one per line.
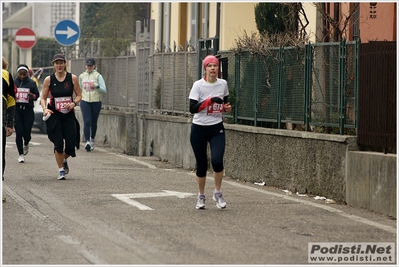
(22,95)
(61,103)
(87,85)
(215,110)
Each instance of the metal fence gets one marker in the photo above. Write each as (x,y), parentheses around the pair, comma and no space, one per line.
(314,86)
(377,95)
(173,75)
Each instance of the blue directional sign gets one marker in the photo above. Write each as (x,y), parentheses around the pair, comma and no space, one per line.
(66,32)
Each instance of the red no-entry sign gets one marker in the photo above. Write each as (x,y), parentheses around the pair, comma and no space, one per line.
(25,38)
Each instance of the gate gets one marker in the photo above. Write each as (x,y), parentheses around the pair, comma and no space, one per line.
(377,95)
(144,48)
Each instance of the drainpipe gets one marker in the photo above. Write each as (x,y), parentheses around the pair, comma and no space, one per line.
(218,19)
(204,20)
(160,29)
(166,23)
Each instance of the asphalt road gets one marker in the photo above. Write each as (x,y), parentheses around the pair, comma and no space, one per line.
(119,209)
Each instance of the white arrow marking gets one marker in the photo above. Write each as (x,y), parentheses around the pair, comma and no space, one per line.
(69,32)
(128,198)
(25,38)
(30,143)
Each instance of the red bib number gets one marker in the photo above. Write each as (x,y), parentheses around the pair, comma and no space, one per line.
(61,103)
(22,95)
(87,85)
(215,110)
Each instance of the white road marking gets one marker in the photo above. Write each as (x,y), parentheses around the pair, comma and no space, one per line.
(128,198)
(12,144)
(387,228)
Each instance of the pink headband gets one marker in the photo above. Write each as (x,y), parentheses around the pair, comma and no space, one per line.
(210,59)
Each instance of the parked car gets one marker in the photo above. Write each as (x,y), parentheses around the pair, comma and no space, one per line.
(38,73)
(39,123)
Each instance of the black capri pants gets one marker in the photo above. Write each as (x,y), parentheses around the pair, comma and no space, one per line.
(199,137)
(64,130)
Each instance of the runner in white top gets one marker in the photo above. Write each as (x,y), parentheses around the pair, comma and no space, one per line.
(201,91)
(208,100)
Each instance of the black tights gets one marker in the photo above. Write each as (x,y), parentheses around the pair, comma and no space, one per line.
(199,138)
(24,118)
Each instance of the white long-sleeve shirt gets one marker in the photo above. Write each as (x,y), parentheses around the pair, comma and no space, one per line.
(200,91)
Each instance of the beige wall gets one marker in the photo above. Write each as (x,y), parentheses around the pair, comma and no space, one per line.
(174,22)
(155,12)
(212,20)
(188,23)
(234,19)
(311,15)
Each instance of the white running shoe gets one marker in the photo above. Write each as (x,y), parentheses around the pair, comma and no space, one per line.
(61,175)
(91,144)
(220,202)
(87,147)
(200,202)
(21,159)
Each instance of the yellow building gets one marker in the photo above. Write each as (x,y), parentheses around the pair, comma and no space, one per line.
(179,22)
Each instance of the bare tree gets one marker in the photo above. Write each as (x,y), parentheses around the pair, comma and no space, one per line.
(294,19)
(335,22)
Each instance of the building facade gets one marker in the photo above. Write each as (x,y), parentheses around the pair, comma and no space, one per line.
(184,24)
(369,21)
(181,24)
(378,21)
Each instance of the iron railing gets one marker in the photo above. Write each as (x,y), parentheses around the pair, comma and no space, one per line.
(313,87)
